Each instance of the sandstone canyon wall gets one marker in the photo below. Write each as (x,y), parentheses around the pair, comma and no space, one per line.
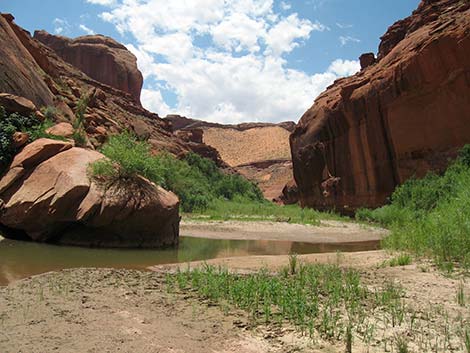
(403,115)
(100,57)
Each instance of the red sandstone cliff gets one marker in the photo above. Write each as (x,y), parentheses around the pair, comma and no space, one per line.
(100,57)
(401,116)
(32,70)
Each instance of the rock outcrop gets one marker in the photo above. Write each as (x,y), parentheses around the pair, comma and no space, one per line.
(101,58)
(49,195)
(34,71)
(258,151)
(403,116)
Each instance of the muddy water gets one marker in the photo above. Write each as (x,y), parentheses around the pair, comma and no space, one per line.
(23,259)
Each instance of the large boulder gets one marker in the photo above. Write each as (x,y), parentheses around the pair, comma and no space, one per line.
(404,116)
(16,104)
(51,197)
(100,57)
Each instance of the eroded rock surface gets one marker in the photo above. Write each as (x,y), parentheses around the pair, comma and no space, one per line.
(49,195)
(100,57)
(258,151)
(407,114)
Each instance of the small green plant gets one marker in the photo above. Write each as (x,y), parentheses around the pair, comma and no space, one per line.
(400,260)
(461,294)
(467,339)
(49,112)
(349,339)
(79,134)
(401,344)
(293,263)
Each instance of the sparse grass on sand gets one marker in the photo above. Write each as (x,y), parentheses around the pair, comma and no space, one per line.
(326,302)
(240,210)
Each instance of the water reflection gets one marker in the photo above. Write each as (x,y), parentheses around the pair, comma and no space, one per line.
(23,259)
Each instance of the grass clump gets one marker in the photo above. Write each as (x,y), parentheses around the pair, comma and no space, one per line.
(196,180)
(461,294)
(430,216)
(400,260)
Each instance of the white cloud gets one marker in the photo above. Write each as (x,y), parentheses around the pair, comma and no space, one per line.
(239,32)
(238,74)
(343,26)
(344,67)
(61,26)
(283,37)
(101,2)
(285,6)
(87,30)
(152,100)
(348,39)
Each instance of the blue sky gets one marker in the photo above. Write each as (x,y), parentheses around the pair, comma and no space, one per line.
(227,61)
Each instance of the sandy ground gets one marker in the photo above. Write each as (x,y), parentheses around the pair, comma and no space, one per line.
(329,232)
(101,310)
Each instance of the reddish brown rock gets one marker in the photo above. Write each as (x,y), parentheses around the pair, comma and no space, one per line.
(20,139)
(61,129)
(15,104)
(20,73)
(54,199)
(367,60)
(100,57)
(404,116)
(290,193)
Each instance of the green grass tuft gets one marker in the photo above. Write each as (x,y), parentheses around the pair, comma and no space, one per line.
(400,260)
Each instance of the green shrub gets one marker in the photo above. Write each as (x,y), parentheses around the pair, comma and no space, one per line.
(196,180)
(431,216)
(9,124)
(49,112)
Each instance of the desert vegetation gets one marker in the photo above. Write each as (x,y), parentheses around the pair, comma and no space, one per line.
(13,123)
(429,216)
(327,302)
(196,180)
(204,190)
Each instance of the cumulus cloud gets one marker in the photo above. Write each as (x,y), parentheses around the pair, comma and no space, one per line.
(87,30)
(152,100)
(224,61)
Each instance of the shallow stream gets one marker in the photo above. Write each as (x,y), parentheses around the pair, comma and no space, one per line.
(23,259)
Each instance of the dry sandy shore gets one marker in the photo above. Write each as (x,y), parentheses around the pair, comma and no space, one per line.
(329,232)
(101,310)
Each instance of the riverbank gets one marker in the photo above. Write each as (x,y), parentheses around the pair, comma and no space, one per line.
(328,232)
(66,311)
